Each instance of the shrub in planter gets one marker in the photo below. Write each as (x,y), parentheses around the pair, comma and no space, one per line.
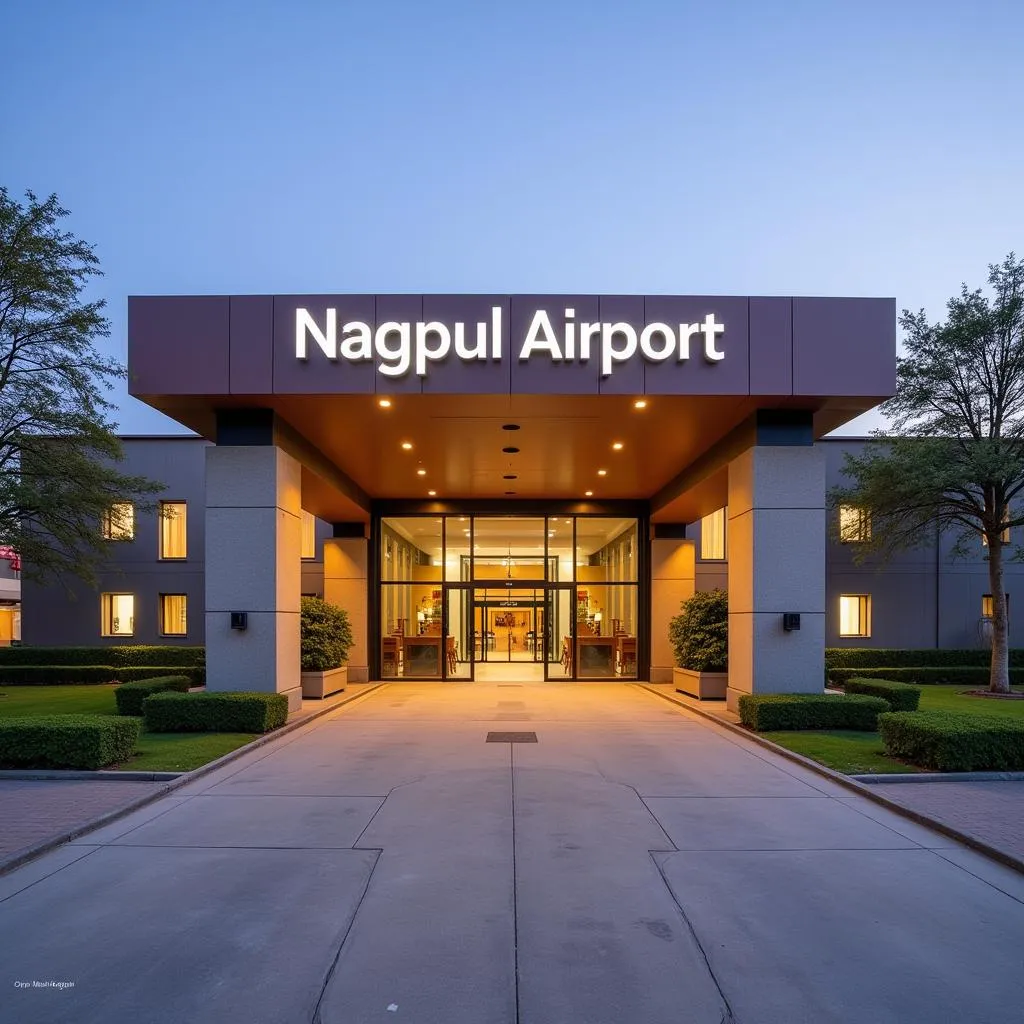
(326,635)
(215,712)
(950,741)
(699,634)
(899,696)
(84,742)
(765,712)
(130,696)
(965,675)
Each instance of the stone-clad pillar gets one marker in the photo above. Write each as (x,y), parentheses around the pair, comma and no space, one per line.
(345,561)
(776,548)
(253,565)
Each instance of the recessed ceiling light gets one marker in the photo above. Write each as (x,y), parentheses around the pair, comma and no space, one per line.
(407,445)
(588,494)
(568,522)
(421,472)
(510,451)
(602,472)
(384,403)
(510,426)
(617,446)
(640,403)
(433,494)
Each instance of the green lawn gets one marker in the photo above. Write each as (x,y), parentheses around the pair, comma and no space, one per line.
(157,751)
(861,753)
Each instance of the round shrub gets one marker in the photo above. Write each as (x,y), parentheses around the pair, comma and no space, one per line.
(326,635)
(699,634)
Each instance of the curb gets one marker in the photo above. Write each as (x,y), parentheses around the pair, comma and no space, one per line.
(176,782)
(28,775)
(941,777)
(850,783)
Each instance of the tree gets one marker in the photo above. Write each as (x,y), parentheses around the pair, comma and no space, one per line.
(58,450)
(954,458)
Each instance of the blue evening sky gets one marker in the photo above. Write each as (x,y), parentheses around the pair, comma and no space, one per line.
(791,147)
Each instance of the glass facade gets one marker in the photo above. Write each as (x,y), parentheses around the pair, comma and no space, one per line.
(173,529)
(556,593)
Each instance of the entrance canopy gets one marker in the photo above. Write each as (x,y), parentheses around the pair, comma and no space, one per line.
(440,397)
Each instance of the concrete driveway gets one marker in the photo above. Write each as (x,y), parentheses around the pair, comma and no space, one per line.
(635,865)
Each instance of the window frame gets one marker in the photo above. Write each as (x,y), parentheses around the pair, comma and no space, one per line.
(302,536)
(724,557)
(863,615)
(162,520)
(987,599)
(163,614)
(857,528)
(106,618)
(107,524)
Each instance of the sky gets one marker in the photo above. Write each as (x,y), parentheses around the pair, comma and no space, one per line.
(578,146)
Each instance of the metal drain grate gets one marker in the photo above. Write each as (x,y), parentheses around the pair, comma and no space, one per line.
(511,737)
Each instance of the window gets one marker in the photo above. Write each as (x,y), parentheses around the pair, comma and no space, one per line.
(308,535)
(854,524)
(986,606)
(855,615)
(1004,536)
(119,522)
(712,536)
(117,614)
(173,614)
(173,529)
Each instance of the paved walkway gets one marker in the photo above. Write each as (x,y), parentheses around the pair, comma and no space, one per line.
(635,864)
(33,811)
(990,811)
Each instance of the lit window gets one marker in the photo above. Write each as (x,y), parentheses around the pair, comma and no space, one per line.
(117,614)
(855,615)
(173,529)
(1004,537)
(119,522)
(854,524)
(308,535)
(712,536)
(986,606)
(173,614)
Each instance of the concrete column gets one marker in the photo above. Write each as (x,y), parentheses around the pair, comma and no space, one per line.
(345,562)
(253,565)
(776,548)
(672,582)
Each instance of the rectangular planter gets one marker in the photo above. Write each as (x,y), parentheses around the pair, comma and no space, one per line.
(323,684)
(702,685)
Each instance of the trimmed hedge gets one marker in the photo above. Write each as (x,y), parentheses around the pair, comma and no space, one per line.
(67,741)
(84,675)
(899,696)
(215,712)
(951,741)
(902,657)
(121,655)
(965,675)
(130,696)
(765,712)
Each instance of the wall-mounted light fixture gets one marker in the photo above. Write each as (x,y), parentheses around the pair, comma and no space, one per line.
(240,620)
(790,621)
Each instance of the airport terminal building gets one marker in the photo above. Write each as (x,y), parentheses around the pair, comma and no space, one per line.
(485,482)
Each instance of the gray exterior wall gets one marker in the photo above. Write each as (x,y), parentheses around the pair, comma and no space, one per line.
(67,612)
(921,598)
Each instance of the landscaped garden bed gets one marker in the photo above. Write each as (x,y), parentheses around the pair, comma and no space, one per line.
(861,752)
(171,752)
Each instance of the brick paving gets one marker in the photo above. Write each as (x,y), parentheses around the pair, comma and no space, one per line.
(990,811)
(32,811)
